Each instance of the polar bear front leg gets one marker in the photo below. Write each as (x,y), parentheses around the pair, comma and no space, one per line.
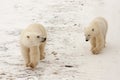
(25,53)
(34,56)
(42,53)
(93,43)
(99,44)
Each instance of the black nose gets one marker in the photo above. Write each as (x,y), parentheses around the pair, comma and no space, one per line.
(86,40)
(44,39)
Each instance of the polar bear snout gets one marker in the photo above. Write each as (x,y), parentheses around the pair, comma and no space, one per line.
(87,38)
(43,39)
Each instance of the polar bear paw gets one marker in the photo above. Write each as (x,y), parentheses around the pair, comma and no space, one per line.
(95,51)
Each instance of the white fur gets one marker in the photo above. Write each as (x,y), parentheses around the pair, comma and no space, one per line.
(32,46)
(96,33)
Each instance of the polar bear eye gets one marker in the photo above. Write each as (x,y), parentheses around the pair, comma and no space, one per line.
(38,36)
(28,36)
(88,35)
(92,29)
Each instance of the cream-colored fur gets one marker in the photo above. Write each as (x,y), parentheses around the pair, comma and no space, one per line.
(32,42)
(96,33)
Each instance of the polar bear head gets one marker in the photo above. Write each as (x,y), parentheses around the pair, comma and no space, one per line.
(33,39)
(90,32)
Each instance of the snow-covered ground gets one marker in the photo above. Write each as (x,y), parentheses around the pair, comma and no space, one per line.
(66,46)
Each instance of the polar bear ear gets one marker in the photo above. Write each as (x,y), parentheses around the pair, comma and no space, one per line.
(92,29)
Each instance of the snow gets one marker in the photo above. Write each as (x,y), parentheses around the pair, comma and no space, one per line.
(64,21)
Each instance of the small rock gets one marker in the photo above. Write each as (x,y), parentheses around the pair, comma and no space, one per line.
(54,53)
(2,74)
(82,4)
(55,72)
(57,59)
(75,24)
(68,66)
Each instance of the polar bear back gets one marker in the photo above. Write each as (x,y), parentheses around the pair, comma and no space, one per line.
(101,24)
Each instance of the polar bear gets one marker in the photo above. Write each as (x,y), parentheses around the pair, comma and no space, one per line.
(96,33)
(32,43)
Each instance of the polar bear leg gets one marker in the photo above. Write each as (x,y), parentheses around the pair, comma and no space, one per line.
(99,44)
(25,53)
(104,40)
(42,53)
(93,43)
(34,56)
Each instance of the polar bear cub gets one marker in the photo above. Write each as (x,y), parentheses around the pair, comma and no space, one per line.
(96,33)
(32,42)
